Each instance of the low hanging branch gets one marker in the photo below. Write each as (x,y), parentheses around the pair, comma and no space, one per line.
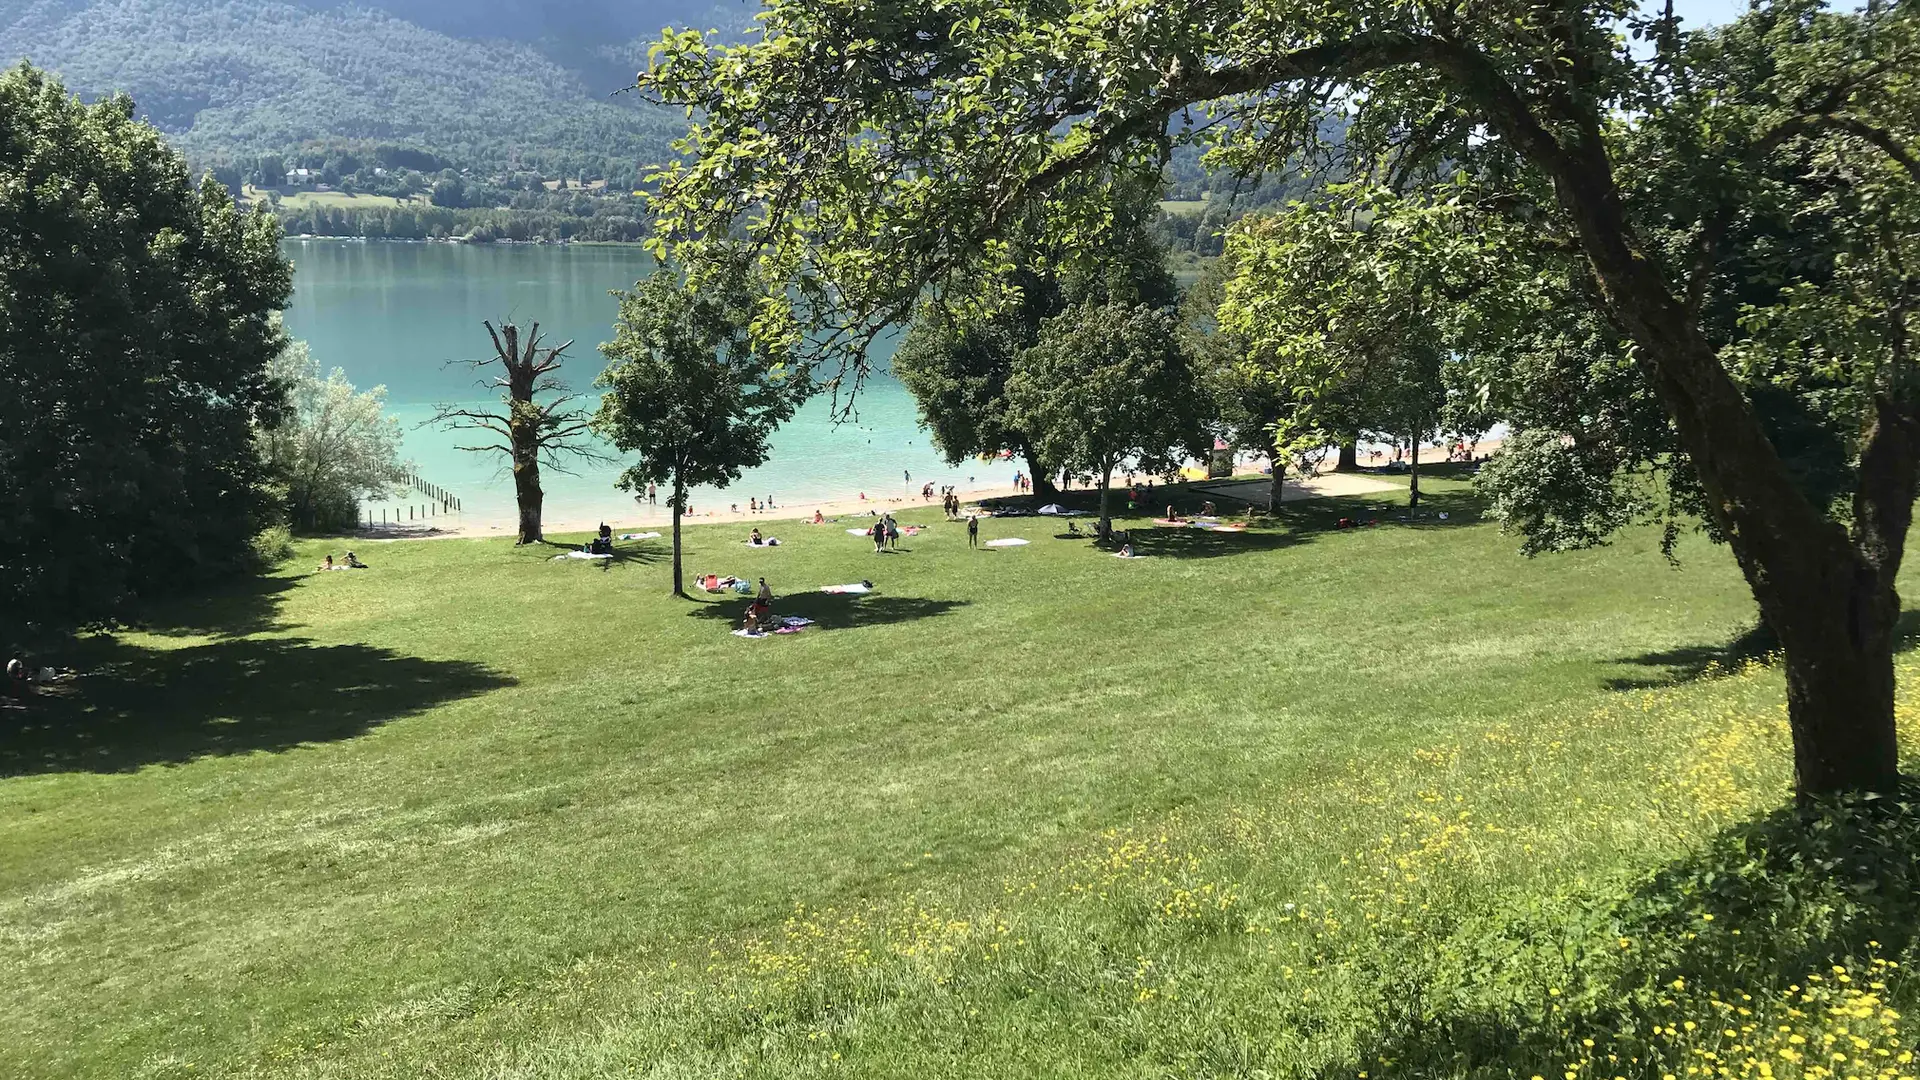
(531,432)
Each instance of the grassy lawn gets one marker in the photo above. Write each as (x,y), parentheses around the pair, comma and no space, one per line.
(1300,801)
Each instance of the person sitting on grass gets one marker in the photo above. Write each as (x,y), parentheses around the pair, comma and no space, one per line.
(754,537)
(819,518)
(328,565)
(1172,514)
(353,562)
(17,683)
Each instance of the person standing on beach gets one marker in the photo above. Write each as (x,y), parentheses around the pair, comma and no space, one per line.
(973,530)
(653,495)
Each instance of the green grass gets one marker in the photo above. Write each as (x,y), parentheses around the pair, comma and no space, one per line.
(1296,802)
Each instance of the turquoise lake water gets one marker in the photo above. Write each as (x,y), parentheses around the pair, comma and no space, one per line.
(393,314)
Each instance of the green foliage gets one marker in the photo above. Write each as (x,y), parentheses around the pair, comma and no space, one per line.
(333,446)
(137,323)
(967,334)
(1346,313)
(272,546)
(1108,383)
(1560,492)
(689,388)
(229,80)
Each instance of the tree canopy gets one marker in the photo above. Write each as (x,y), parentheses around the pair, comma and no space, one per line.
(137,323)
(333,445)
(868,149)
(1106,384)
(690,390)
(966,336)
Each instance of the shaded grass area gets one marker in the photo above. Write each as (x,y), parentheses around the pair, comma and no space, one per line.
(1299,801)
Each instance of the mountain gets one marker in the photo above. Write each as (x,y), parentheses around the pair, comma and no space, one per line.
(479,83)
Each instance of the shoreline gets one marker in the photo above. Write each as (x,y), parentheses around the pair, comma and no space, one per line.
(650,518)
(637,518)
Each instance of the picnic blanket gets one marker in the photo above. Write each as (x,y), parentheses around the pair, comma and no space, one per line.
(581,555)
(855,588)
(791,624)
(868,531)
(1007,541)
(639,536)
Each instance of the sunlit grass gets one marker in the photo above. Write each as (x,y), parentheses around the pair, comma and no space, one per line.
(1300,802)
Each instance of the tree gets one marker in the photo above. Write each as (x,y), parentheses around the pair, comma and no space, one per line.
(1107,383)
(531,432)
(871,147)
(690,389)
(965,335)
(333,446)
(1348,308)
(137,320)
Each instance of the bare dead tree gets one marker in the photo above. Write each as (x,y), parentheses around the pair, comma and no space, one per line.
(530,432)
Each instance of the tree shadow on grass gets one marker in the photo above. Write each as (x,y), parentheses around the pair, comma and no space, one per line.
(1764,906)
(1304,521)
(625,552)
(229,609)
(1756,643)
(130,707)
(832,611)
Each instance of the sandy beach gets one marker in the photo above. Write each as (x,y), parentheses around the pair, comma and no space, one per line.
(624,514)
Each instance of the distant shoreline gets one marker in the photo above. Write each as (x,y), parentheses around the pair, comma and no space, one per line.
(1325,483)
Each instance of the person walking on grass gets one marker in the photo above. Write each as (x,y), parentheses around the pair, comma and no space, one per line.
(893,532)
(973,530)
(879,536)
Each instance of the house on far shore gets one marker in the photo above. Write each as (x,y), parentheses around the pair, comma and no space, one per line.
(299,177)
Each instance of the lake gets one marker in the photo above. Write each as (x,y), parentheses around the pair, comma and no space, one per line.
(394,314)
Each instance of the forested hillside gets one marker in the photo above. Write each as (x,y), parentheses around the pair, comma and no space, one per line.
(478,85)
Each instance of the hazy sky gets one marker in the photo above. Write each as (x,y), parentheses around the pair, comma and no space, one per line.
(1697,13)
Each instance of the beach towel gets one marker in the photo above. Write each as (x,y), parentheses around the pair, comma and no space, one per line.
(1171,522)
(1121,555)
(581,555)
(860,532)
(771,541)
(913,530)
(640,536)
(743,632)
(1224,528)
(1007,541)
(855,588)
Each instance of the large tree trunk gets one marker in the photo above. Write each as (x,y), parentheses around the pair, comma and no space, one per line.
(1349,459)
(1042,477)
(678,500)
(1413,472)
(1276,489)
(1830,598)
(526,492)
(1106,487)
